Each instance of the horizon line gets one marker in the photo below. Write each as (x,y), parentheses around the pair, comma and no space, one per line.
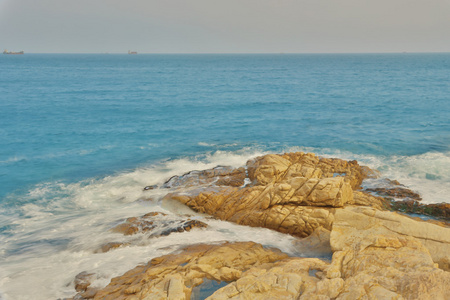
(243,53)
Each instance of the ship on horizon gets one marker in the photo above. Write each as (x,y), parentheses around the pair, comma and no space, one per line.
(11,52)
(132,52)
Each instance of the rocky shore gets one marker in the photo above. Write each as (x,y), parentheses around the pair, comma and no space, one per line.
(378,252)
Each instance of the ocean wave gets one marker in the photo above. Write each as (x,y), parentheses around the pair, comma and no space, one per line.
(13,159)
(425,173)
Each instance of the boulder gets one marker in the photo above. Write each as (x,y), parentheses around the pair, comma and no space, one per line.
(287,279)
(351,224)
(277,168)
(281,207)
(382,264)
(174,276)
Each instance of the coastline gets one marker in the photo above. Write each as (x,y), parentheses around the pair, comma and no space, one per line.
(318,200)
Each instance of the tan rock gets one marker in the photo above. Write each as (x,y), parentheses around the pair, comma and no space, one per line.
(388,267)
(258,207)
(292,193)
(315,245)
(351,224)
(275,168)
(287,279)
(173,276)
(83,281)
(366,199)
(292,207)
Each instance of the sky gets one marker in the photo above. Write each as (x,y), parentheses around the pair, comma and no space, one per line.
(226,26)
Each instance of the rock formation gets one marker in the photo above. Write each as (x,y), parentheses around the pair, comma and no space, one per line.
(174,276)
(293,193)
(377,253)
(353,223)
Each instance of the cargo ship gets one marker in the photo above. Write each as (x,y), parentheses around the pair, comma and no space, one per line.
(10,52)
(132,52)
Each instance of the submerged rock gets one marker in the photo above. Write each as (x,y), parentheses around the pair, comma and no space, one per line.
(150,187)
(83,281)
(153,224)
(157,223)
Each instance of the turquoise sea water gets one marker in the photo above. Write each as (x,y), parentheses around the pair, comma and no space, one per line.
(80,135)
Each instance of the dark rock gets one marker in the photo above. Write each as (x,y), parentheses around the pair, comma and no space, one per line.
(150,187)
(396,192)
(157,223)
(109,246)
(438,210)
(83,281)
(221,176)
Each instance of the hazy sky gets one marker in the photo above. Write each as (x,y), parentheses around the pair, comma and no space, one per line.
(237,26)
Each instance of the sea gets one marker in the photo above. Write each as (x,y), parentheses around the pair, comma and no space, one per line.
(81,135)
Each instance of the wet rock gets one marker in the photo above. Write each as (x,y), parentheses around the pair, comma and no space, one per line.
(83,281)
(153,224)
(439,210)
(150,187)
(186,226)
(157,224)
(110,246)
(396,192)
(220,176)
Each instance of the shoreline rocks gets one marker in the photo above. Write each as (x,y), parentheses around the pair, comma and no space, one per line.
(175,275)
(377,253)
